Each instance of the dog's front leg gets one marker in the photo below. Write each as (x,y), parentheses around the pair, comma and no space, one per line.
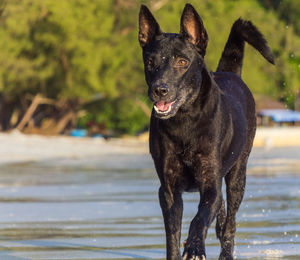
(172,206)
(210,203)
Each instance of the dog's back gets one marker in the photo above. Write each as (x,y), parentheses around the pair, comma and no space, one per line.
(228,75)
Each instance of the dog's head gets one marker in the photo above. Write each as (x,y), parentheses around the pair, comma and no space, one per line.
(173,62)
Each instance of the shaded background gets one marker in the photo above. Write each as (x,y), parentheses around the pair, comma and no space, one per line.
(77,63)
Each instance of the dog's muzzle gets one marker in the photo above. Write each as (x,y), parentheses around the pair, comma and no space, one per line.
(165,102)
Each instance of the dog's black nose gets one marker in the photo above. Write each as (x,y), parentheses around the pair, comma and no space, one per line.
(161,90)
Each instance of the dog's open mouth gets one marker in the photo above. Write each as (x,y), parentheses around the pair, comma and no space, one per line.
(165,109)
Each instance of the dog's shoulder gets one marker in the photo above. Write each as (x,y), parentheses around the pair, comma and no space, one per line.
(226,78)
(235,93)
(231,84)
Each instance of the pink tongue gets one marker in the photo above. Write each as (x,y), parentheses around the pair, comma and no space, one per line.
(163,106)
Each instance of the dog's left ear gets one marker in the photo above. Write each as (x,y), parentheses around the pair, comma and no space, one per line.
(193,29)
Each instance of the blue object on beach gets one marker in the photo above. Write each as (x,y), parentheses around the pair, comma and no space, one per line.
(78,133)
(280,115)
(97,136)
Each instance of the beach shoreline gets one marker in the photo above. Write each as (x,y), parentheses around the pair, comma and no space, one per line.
(17,147)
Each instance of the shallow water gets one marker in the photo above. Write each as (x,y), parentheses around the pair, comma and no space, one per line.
(108,209)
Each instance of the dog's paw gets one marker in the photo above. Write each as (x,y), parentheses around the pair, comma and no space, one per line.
(193,250)
(192,253)
(192,257)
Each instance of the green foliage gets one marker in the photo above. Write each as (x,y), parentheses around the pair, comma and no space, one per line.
(75,49)
(287,10)
(123,115)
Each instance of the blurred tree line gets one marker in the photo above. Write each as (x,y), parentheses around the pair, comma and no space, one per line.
(77,62)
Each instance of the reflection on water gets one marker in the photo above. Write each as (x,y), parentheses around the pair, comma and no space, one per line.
(108,209)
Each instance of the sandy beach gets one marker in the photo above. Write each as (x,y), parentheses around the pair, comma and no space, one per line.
(274,150)
(17,147)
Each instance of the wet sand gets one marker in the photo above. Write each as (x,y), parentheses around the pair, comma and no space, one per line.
(66,198)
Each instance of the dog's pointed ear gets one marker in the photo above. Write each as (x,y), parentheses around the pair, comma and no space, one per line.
(148,27)
(193,29)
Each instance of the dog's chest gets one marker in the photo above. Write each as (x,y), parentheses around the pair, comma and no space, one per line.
(186,154)
(185,140)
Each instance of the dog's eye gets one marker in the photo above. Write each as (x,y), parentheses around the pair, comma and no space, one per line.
(181,62)
(149,62)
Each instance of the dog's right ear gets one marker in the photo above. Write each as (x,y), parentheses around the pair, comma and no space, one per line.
(148,27)
(192,28)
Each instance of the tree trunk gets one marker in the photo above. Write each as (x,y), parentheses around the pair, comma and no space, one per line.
(6,112)
(37,100)
(62,124)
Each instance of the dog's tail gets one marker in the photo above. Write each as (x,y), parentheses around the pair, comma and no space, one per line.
(232,56)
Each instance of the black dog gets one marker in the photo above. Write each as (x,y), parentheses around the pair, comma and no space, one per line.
(202,126)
